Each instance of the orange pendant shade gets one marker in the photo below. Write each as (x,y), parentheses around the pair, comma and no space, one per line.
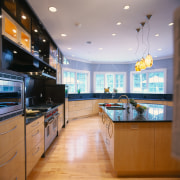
(137,66)
(142,64)
(149,61)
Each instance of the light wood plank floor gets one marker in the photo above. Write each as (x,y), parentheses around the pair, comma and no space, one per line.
(78,153)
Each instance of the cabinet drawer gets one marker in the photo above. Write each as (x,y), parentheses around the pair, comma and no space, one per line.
(34,155)
(35,136)
(11,133)
(30,127)
(12,164)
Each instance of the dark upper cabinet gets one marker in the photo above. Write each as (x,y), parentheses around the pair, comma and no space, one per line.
(53,56)
(22,26)
(11,7)
(20,12)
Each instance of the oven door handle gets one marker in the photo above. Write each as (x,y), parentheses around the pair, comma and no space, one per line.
(57,115)
(49,122)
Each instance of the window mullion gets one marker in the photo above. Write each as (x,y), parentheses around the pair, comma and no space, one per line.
(147,83)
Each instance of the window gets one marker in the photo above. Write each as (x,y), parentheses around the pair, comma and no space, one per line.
(150,81)
(76,80)
(112,80)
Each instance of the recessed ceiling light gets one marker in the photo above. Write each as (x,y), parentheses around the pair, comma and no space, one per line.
(44,40)
(52,9)
(170,24)
(26,40)
(23,17)
(15,52)
(113,34)
(35,30)
(69,48)
(160,49)
(118,23)
(100,48)
(88,42)
(39,50)
(156,35)
(126,7)
(63,35)
(0,16)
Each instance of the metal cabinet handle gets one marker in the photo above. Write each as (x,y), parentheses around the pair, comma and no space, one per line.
(35,124)
(110,134)
(1,165)
(9,130)
(35,133)
(36,151)
(134,127)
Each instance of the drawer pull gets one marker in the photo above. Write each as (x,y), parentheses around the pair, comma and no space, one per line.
(1,165)
(35,124)
(35,133)
(35,151)
(134,127)
(9,130)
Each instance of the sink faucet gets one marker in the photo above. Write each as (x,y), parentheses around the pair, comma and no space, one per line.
(127,101)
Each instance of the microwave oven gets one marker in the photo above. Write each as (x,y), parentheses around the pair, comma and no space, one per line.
(11,95)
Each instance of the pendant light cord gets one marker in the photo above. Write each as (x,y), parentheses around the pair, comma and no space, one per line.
(148,37)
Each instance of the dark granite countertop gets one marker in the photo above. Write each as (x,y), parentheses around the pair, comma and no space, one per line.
(82,99)
(153,113)
(30,119)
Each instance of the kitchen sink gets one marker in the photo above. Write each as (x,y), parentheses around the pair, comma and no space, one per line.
(115,108)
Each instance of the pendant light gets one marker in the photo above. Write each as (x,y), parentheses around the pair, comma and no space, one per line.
(148,59)
(137,65)
(142,62)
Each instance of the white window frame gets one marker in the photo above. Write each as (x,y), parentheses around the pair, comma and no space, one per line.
(105,83)
(149,71)
(76,71)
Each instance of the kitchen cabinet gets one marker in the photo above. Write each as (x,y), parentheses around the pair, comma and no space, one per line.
(34,143)
(139,148)
(61,117)
(164,161)
(80,108)
(15,32)
(134,147)
(12,151)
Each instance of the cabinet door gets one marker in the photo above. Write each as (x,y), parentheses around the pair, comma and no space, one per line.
(11,133)
(9,27)
(163,157)
(134,147)
(12,164)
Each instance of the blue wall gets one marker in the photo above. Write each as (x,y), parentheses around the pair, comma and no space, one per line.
(158,64)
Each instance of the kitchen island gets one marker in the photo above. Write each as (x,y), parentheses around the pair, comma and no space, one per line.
(139,145)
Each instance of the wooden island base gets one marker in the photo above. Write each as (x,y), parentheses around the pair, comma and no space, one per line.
(139,148)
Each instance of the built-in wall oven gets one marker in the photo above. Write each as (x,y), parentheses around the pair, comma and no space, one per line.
(51,123)
(11,95)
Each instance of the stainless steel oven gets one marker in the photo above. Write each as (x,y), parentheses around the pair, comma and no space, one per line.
(11,94)
(51,123)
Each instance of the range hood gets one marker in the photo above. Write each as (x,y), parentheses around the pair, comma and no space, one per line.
(18,59)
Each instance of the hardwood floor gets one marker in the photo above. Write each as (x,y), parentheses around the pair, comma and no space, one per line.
(78,153)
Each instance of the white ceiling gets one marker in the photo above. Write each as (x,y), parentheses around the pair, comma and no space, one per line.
(95,21)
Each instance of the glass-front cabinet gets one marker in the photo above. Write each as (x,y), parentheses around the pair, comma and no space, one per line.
(12,30)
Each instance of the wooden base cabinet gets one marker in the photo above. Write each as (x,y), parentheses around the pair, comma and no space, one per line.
(139,149)
(61,117)
(134,148)
(164,161)
(12,151)
(34,143)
